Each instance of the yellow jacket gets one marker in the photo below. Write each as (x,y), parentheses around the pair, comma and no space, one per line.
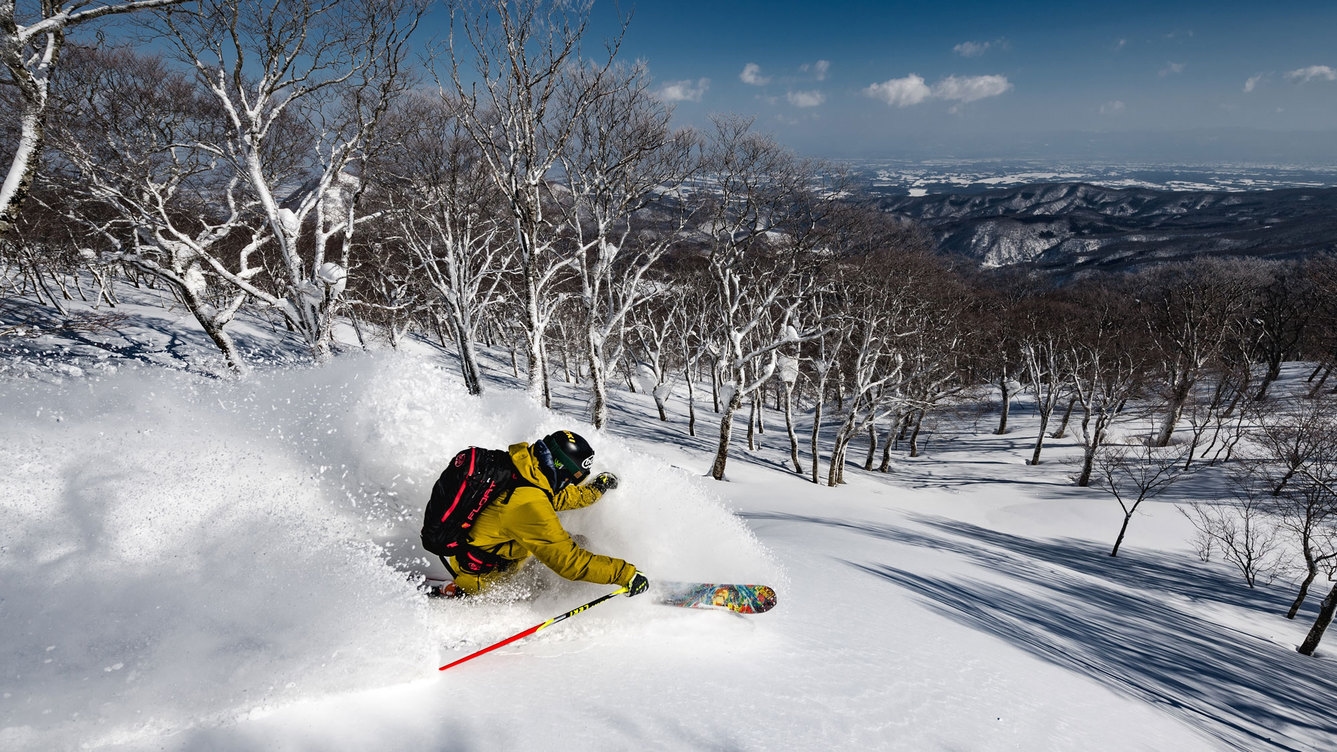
(526,524)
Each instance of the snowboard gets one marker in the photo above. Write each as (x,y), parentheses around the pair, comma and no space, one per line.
(741,599)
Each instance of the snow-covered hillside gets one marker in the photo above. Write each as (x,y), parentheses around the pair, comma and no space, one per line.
(1064,227)
(194,563)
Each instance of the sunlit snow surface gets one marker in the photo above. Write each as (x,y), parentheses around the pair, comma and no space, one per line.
(195,563)
(182,551)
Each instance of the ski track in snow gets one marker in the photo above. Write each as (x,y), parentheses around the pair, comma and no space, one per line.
(196,563)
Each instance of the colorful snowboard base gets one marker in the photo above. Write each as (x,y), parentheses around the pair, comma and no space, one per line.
(741,599)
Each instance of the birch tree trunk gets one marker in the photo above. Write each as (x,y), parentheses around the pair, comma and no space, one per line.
(1325,613)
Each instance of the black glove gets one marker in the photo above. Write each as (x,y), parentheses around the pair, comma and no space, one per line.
(639,584)
(604,482)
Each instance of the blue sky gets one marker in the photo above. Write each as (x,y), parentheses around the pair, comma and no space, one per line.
(1220,80)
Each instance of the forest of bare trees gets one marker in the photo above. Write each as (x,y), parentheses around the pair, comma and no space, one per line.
(506,188)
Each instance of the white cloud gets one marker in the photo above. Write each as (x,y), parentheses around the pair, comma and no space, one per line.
(972,49)
(1172,69)
(978,49)
(684,91)
(1112,108)
(901,92)
(1312,72)
(805,98)
(971,88)
(752,75)
(819,69)
(1253,82)
(912,90)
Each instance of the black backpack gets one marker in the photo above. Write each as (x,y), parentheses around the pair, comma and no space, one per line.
(474,479)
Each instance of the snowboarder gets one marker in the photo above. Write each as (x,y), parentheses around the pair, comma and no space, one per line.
(522,522)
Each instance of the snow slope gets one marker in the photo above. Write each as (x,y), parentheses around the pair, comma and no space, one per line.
(195,563)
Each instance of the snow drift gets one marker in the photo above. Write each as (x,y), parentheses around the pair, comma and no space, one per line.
(179,550)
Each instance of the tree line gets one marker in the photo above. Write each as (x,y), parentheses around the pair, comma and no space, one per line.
(513,190)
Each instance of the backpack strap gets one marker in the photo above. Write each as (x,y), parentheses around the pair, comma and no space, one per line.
(479,561)
(473,458)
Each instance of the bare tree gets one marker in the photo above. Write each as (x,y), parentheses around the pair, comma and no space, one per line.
(328,71)
(655,336)
(521,110)
(389,295)
(1320,339)
(1216,415)
(760,214)
(670,332)
(872,369)
(1290,437)
(622,164)
(32,37)
(1320,490)
(1134,475)
(147,182)
(788,373)
(937,361)
(46,254)
(1243,528)
(1103,380)
(1325,613)
(1192,310)
(1283,311)
(1297,468)
(452,221)
(696,343)
(1104,367)
(898,305)
(1001,357)
(819,364)
(1045,333)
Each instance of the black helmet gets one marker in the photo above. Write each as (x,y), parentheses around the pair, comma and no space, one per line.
(572,456)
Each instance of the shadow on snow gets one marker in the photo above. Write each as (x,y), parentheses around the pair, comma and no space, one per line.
(1115,620)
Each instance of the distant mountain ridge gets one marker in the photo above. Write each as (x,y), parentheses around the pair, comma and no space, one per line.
(1070,227)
